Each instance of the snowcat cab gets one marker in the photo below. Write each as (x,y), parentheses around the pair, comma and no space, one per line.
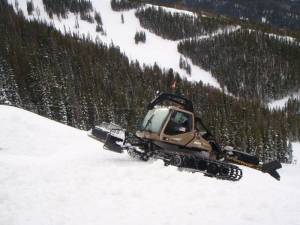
(176,128)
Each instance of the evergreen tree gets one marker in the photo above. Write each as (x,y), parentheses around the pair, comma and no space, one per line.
(140,37)
(122,18)
(30,7)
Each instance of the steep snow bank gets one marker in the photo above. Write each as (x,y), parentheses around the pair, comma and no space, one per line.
(54,174)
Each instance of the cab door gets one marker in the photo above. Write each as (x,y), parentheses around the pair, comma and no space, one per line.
(179,129)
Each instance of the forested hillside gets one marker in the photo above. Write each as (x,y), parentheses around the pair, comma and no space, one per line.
(176,26)
(62,7)
(119,5)
(249,63)
(277,13)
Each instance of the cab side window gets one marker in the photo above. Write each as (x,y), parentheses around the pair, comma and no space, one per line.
(179,123)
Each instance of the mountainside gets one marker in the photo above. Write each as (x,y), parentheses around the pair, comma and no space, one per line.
(112,31)
(279,13)
(251,64)
(247,72)
(247,62)
(81,62)
(54,174)
(71,79)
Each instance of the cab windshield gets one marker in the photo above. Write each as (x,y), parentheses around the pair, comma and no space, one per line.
(154,120)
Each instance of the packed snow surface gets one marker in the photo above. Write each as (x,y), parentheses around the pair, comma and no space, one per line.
(53,174)
(157,50)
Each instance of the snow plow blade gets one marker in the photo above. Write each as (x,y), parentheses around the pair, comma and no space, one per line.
(112,135)
(271,168)
(113,143)
(98,134)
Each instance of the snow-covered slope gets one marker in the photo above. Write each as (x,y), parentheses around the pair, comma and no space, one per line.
(54,174)
(172,10)
(281,103)
(155,50)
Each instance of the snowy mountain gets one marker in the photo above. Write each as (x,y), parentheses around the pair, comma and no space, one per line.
(156,49)
(51,173)
(54,174)
(161,51)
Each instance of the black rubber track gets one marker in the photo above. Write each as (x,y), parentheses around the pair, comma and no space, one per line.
(211,168)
